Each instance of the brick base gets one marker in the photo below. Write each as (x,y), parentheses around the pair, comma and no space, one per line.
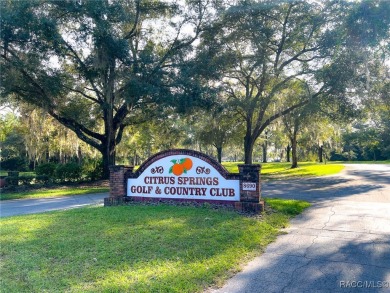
(114,201)
(245,207)
(249,207)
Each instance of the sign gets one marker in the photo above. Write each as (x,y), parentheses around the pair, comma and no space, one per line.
(183,176)
(249,186)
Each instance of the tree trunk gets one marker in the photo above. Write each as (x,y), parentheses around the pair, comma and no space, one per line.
(219,154)
(265,147)
(108,154)
(320,153)
(248,150)
(294,152)
(79,155)
(288,150)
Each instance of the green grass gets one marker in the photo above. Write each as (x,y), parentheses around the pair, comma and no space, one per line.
(287,206)
(43,193)
(283,170)
(5,173)
(133,248)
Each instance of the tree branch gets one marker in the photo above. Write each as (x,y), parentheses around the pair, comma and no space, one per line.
(84,67)
(82,132)
(133,30)
(85,95)
(281,45)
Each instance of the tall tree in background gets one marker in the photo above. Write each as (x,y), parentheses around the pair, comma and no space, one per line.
(100,66)
(259,47)
(217,128)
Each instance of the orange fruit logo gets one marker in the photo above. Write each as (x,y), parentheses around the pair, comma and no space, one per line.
(181,166)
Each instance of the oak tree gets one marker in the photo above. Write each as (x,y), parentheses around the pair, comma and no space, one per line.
(100,66)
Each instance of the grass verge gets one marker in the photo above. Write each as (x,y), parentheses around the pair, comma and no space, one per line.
(133,248)
(44,193)
(283,170)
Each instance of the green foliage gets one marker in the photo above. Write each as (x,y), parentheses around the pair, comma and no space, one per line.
(128,71)
(274,56)
(68,172)
(264,58)
(92,169)
(12,180)
(43,179)
(364,144)
(47,169)
(7,125)
(14,164)
(26,179)
(368,23)
(335,156)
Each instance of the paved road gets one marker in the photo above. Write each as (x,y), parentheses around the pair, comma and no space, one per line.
(340,244)
(32,206)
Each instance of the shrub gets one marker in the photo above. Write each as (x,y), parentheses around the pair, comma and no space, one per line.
(47,169)
(14,164)
(92,169)
(337,157)
(42,179)
(26,179)
(12,180)
(68,172)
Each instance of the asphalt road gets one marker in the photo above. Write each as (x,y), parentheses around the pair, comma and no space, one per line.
(33,206)
(340,244)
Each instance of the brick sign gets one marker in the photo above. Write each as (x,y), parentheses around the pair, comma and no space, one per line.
(184,175)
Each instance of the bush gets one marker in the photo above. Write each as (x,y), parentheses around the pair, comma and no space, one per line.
(12,180)
(26,179)
(14,164)
(19,180)
(92,169)
(337,157)
(47,169)
(42,179)
(68,172)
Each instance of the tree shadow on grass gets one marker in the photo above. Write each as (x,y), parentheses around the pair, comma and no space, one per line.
(127,249)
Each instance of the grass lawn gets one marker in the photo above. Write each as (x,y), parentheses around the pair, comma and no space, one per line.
(5,173)
(134,248)
(283,170)
(43,193)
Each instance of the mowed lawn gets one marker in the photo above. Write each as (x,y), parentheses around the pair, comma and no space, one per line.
(283,170)
(52,192)
(134,248)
